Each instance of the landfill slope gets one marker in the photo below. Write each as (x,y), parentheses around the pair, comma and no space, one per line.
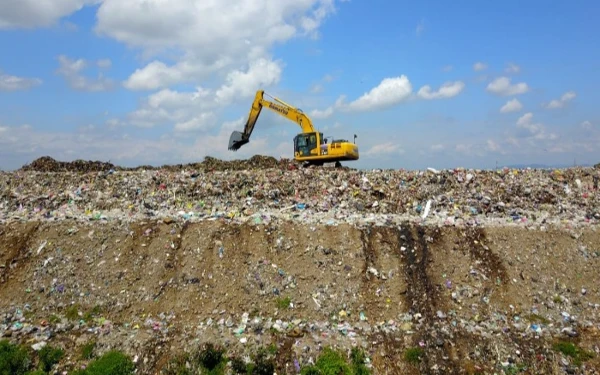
(483,271)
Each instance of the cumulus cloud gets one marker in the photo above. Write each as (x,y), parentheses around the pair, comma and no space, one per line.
(389,92)
(447,90)
(14,83)
(207,35)
(479,66)
(71,71)
(564,99)
(38,13)
(502,86)
(173,107)
(238,84)
(533,129)
(513,105)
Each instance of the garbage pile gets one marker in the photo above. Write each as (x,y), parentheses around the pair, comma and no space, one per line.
(48,164)
(270,187)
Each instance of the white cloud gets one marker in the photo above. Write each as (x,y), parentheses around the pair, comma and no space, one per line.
(202,122)
(587,125)
(321,114)
(209,37)
(512,68)
(157,74)
(390,92)
(447,68)
(512,105)
(173,107)
(383,149)
(260,74)
(71,72)
(37,13)
(447,90)
(502,86)
(564,99)
(14,83)
(534,130)
(479,66)
(437,147)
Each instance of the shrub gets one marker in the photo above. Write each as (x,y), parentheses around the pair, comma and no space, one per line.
(111,363)
(49,356)
(14,360)
(331,362)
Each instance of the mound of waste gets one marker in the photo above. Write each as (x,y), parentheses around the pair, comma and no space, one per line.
(48,164)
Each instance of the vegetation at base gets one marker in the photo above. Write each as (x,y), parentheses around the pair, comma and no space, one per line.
(577,354)
(331,362)
(211,359)
(14,360)
(413,355)
(17,360)
(49,356)
(110,363)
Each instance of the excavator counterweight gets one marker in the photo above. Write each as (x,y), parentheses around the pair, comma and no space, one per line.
(309,146)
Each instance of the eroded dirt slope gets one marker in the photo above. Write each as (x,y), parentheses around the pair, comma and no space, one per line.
(474,299)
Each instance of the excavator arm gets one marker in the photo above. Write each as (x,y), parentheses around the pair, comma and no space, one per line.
(238,139)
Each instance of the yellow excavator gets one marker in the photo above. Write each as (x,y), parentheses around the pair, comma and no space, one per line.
(310,147)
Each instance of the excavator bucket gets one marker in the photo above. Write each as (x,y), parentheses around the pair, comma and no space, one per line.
(237,140)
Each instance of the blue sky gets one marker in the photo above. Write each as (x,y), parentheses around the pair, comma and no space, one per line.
(423,84)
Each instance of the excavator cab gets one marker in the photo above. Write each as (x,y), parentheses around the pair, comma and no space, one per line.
(308,144)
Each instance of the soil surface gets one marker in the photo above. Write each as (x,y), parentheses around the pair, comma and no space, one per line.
(476,300)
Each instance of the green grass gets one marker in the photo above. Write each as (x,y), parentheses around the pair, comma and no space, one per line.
(53,319)
(14,360)
(87,350)
(49,356)
(331,362)
(111,363)
(413,355)
(272,349)
(284,303)
(72,312)
(569,349)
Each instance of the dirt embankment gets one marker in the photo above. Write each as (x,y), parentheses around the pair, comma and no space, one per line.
(473,300)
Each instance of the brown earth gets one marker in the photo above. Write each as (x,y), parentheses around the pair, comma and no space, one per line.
(477,291)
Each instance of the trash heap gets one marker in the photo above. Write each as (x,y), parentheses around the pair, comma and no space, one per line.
(144,260)
(264,187)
